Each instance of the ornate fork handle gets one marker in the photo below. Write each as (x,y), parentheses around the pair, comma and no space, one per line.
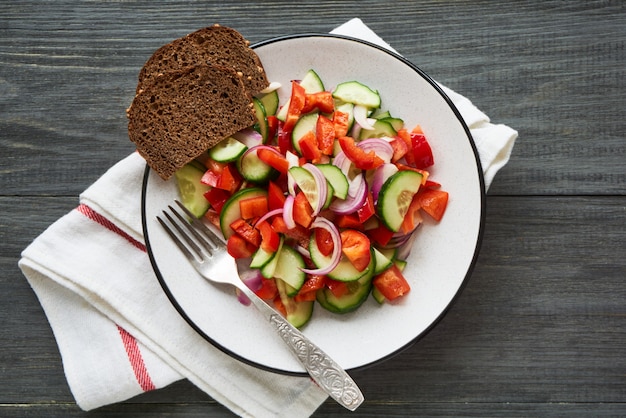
(322,369)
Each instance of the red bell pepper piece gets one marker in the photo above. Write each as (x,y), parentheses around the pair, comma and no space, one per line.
(405,136)
(268,289)
(380,235)
(309,149)
(422,153)
(275,196)
(341,122)
(400,148)
(367,210)
(324,241)
(274,159)
(355,246)
(272,127)
(230,179)
(323,101)
(247,232)
(325,135)
(312,284)
(412,218)
(337,288)
(270,240)
(237,247)
(391,283)
(348,221)
(299,233)
(433,201)
(296,103)
(253,207)
(302,210)
(361,159)
(216,198)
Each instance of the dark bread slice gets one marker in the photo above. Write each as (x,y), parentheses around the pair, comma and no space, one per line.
(183,113)
(216,45)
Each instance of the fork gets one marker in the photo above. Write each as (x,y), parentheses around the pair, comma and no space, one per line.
(207,253)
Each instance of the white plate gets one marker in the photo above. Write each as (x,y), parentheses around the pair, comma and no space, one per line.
(443,254)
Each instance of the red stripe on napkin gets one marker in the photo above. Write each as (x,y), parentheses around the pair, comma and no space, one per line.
(136,360)
(96,217)
(130,343)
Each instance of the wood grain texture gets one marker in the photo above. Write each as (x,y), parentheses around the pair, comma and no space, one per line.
(540,329)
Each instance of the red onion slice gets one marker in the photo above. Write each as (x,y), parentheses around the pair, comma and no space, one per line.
(269,214)
(288,212)
(382,148)
(321,222)
(357,193)
(380,176)
(249,137)
(360,117)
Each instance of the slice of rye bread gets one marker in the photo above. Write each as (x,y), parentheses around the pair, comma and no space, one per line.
(219,45)
(183,113)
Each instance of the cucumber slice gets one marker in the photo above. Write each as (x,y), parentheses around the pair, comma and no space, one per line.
(357,93)
(270,102)
(191,190)
(382,115)
(345,270)
(261,258)
(289,269)
(336,179)
(396,123)
(395,197)
(306,182)
(312,82)
(253,169)
(261,117)
(382,128)
(357,293)
(230,210)
(382,262)
(269,268)
(227,150)
(298,313)
(303,126)
(378,297)
(282,113)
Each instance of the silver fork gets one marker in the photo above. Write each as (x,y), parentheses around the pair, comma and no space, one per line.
(207,253)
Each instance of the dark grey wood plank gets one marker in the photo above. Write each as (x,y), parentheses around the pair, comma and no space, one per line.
(553,71)
(540,327)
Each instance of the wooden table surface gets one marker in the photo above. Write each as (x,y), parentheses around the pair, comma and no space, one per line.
(540,329)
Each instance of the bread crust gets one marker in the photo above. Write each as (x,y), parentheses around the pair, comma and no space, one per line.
(183,113)
(214,45)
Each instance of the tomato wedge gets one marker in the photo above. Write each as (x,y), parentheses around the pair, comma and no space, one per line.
(355,246)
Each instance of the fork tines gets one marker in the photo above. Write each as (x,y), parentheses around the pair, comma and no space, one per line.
(192,235)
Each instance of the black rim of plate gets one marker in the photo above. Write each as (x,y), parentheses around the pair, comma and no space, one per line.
(470,269)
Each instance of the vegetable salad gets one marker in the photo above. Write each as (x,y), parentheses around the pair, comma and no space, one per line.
(321,198)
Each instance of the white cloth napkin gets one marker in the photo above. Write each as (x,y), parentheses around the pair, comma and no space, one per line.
(117,332)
